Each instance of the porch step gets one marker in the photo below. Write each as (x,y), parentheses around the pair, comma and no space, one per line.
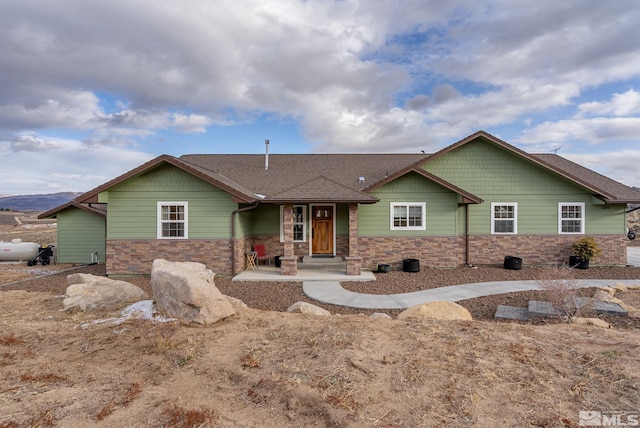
(324,263)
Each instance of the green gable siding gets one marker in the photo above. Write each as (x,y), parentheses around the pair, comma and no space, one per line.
(498,175)
(132,205)
(79,235)
(441,207)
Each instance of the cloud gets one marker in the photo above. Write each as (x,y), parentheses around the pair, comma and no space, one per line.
(621,165)
(625,104)
(354,76)
(43,164)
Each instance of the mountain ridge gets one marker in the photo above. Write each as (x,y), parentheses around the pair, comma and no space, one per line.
(41,202)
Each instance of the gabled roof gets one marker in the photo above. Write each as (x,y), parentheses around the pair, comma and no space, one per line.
(302,177)
(84,207)
(321,189)
(216,179)
(602,187)
(343,177)
(466,196)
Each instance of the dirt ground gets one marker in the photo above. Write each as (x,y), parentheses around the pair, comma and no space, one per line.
(273,369)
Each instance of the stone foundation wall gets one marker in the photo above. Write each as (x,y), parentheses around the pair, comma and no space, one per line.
(543,249)
(432,251)
(136,256)
(447,252)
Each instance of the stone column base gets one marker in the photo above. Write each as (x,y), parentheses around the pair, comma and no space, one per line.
(354,265)
(289,266)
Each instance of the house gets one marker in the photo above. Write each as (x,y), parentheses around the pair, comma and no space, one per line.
(473,202)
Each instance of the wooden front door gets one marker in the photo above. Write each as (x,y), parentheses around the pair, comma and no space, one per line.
(322,230)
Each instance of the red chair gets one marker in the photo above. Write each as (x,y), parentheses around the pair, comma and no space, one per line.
(262,253)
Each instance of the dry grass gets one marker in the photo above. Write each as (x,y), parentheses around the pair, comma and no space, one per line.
(132,392)
(175,416)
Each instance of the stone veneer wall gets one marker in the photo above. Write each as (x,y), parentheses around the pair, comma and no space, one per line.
(447,252)
(543,249)
(432,251)
(136,256)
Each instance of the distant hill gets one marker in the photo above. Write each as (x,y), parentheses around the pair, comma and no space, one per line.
(36,202)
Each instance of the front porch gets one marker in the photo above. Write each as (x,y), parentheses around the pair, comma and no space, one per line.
(310,269)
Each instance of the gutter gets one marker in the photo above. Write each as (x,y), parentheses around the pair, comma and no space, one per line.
(233,233)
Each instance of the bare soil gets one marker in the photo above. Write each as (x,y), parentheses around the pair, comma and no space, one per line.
(268,368)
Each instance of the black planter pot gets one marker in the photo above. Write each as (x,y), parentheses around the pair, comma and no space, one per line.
(513,263)
(277,261)
(578,263)
(411,265)
(384,268)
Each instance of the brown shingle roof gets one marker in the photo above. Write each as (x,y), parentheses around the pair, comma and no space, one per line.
(99,209)
(327,177)
(611,190)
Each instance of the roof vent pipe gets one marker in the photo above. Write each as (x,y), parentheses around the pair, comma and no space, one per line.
(266,157)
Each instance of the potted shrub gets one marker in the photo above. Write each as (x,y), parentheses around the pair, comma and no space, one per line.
(584,249)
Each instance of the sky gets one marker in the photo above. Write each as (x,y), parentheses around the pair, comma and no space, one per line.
(92,89)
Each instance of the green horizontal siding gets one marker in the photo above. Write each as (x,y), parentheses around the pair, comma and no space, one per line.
(132,211)
(266,220)
(497,175)
(441,208)
(79,235)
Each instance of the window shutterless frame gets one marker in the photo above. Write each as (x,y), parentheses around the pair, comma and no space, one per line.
(173,220)
(504,218)
(571,218)
(408,216)
(299,223)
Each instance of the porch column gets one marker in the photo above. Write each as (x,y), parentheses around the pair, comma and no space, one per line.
(289,263)
(354,261)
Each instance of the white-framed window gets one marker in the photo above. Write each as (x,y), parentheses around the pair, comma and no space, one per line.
(504,218)
(173,220)
(571,218)
(299,223)
(408,216)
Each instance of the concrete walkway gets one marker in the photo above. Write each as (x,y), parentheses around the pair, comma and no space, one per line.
(332,292)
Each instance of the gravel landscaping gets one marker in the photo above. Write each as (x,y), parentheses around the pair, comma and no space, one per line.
(278,296)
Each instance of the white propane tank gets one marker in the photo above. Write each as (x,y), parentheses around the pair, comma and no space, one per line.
(16,250)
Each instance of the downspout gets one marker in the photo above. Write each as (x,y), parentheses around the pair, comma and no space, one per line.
(466,235)
(233,234)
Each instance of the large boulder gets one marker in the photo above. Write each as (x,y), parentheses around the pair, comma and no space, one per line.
(440,310)
(90,293)
(186,291)
(308,309)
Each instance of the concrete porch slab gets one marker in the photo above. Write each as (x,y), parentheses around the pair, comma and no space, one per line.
(267,273)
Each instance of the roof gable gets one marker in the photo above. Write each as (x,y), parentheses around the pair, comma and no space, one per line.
(218,180)
(73,204)
(600,186)
(287,173)
(465,196)
(322,189)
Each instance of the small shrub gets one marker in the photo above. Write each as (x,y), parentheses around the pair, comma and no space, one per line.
(586,248)
(563,291)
